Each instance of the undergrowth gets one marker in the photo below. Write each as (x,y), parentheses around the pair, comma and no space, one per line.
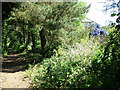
(67,68)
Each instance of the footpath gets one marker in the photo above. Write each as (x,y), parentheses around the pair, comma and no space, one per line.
(12,75)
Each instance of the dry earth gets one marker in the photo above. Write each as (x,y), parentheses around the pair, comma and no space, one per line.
(12,75)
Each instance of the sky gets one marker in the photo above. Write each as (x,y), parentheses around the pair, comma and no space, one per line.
(97,14)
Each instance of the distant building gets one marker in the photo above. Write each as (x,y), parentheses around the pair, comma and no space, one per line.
(87,21)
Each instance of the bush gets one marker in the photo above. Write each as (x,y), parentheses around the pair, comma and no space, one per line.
(106,63)
(68,68)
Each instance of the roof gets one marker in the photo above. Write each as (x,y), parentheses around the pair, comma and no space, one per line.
(87,20)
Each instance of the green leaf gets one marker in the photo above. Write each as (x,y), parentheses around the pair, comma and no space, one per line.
(113,14)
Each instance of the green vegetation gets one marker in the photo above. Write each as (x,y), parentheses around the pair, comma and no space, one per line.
(58,48)
(68,68)
(41,27)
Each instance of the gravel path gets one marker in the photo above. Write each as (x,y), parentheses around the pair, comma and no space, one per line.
(12,75)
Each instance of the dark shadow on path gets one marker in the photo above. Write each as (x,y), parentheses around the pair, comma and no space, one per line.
(13,63)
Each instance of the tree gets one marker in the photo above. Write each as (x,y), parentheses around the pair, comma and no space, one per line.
(118,19)
(113,5)
(106,64)
(7,7)
(48,21)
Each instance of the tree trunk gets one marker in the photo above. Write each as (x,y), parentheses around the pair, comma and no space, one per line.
(5,44)
(20,40)
(33,42)
(27,40)
(43,41)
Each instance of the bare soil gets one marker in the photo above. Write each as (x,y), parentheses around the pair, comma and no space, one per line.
(12,75)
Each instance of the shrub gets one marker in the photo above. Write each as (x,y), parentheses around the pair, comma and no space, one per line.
(68,68)
(106,63)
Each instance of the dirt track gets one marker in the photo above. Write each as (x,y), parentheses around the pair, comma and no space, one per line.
(12,75)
